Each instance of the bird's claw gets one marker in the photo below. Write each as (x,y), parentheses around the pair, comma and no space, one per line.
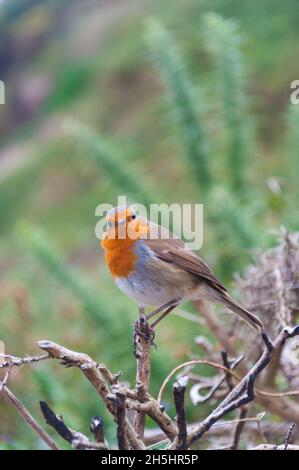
(145,331)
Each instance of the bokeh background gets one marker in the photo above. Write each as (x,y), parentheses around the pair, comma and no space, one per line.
(163,101)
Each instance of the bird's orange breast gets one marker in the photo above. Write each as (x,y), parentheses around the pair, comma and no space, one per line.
(120,256)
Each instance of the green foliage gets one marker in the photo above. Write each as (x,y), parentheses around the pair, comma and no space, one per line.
(54,261)
(125,181)
(70,82)
(223,42)
(236,230)
(185,103)
(289,198)
(233,222)
(293,125)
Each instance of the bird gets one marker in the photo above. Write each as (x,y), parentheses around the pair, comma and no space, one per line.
(156,268)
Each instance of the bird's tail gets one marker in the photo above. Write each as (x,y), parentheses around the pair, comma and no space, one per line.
(247,316)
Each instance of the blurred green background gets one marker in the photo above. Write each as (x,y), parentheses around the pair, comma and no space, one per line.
(163,101)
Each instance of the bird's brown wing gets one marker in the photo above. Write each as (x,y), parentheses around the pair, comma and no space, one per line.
(176,252)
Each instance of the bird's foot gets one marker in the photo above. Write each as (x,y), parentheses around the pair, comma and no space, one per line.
(144,330)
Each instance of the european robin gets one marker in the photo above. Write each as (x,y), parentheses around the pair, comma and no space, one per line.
(156,268)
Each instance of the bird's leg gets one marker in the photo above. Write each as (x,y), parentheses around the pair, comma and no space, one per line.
(159,309)
(167,311)
(143,329)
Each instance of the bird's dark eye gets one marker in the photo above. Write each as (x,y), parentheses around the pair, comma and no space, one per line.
(108,225)
(133,216)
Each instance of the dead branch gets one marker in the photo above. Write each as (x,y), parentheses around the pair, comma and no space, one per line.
(239,428)
(19,361)
(289,435)
(214,385)
(274,447)
(227,364)
(207,311)
(152,408)
(179,390)
(118,399)
(90,369)
(243,392)
(143,338)
(223,429)
(9,396)
(120,417)
(76,439)
(97,428)
(286,409)
(232,385)
(242,412)
(193,363)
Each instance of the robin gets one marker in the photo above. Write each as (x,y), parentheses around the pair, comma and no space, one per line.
(156,268)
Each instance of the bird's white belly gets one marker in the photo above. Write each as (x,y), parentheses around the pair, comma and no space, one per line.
(156,295)
(155,282)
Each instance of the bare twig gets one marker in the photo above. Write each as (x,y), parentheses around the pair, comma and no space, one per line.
(153,409)
(6,377)
(97,428)
(274,447)
(19,361)
(90,369)
(179,390)
(288,393)
(239,428)
(191,363)
(76,439)
(207,311)
(108,375)
(212,384)
(227,364)
(120,417)
(243,392)
(212,387)
(280,406)
(118,398)
(203,343)
(25,414)
(143,338)
(289,435)
(223,429)
(268,379)
(242,412)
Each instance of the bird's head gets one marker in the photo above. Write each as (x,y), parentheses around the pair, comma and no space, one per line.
(123,222)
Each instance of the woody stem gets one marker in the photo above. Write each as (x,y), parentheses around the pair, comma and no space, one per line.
(142,345)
